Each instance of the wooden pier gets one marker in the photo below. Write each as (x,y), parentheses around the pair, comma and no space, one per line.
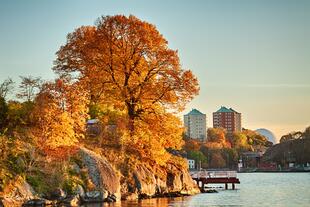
(215,177)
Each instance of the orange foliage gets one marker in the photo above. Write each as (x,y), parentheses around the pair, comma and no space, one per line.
(192,145)
(217,138)
(127,62)
(60,116)
(217,160)
(153,136)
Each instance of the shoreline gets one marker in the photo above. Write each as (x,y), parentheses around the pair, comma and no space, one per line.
(268,171)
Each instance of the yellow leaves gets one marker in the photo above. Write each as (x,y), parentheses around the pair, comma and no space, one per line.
(153,136)
(60,114)
(60,132)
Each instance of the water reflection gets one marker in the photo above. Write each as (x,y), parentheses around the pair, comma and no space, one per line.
(256,189)
(154,202)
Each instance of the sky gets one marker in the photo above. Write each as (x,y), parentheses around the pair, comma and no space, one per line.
(253,56)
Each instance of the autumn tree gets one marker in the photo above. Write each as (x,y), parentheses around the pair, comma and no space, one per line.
(192,145)
(217,138)
(216,135)
(127,62)
(217,160)
(240,142)
(60,114)
(29,87)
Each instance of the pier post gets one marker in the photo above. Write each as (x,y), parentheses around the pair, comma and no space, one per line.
(226,186)
(233,186)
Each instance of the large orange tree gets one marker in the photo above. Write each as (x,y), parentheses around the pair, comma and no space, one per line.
(126,62)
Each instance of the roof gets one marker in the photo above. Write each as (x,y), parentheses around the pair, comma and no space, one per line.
(92,121)
(194,112)
(223,109)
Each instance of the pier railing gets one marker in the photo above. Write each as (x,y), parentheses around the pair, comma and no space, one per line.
(214,174)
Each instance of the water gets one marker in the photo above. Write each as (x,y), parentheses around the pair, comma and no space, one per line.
(256,189)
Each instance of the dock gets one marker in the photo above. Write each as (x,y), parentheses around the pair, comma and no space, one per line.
(203,178)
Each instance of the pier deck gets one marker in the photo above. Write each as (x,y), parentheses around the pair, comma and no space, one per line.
(215,177)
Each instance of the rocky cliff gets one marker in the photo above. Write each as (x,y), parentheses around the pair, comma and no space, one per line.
(172,182)
(140,182)
(108,183)
(102,174)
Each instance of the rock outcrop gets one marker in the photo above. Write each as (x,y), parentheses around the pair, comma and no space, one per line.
(102,174)
(175,182)
(140,182)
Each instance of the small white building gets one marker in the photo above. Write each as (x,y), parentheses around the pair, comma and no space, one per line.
(191,164)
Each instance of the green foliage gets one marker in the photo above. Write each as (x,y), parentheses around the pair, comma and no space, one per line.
(241,142)
(19,115)
(231,156)
(198,156)
(71,183)
(38,181)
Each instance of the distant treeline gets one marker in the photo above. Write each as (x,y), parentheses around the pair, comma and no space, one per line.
(293,148)
(222,150)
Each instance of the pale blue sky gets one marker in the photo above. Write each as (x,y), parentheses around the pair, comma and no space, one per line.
(251,55)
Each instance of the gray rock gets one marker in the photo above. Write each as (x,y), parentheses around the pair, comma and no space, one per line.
(80,191)
(147,184)
(110,198)
(35,202)
(76,168)
(58,194)
(101,173)
(145,181)
(72,200)
(93,197)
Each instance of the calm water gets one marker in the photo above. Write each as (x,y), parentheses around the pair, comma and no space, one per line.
(256,189)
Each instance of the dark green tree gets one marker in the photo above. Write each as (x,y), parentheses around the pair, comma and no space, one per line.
(3,114)
(199,157)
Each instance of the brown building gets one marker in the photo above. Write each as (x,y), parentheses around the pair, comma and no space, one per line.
(228,119)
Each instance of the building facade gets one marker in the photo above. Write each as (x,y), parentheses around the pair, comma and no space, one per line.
(191,164)
(228,119)
(195,124)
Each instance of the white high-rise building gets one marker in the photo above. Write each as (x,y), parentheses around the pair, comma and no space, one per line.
(195,124)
